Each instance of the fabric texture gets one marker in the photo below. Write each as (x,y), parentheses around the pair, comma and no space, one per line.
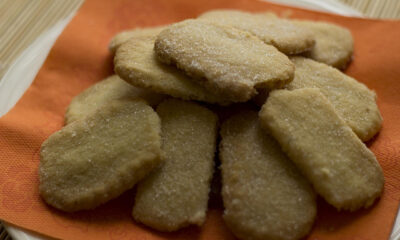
(80,58)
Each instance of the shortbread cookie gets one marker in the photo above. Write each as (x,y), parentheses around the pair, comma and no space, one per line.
(341,168)
(225,60)
(264,194)
(91,161)
(333,46)
(175,194)
(352,100)
(102,93)
(136,62)
(124,36)
(281,33)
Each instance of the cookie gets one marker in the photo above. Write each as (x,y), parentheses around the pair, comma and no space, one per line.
(333,43)
(264,194)
(136,62)
(281,33)
(352,100)
(341,168)
(225,60)
(91,161)
(175,194)
(124,36)
(102,93)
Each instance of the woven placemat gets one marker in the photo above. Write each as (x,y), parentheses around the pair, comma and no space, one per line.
(24,20)
(388,9)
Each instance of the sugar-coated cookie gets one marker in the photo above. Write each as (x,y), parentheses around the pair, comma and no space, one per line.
(352,100)
(333,43)
(93,160)
(175,194)
(124,36)
(281,33)
(227,61)
(265,196)
(101,93)
(340,167)
(136,62)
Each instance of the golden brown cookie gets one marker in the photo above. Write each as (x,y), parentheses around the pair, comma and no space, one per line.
(352,100)
(281,33)
(93,160)
(136,62)
(102,93)
(333,43)
(124,36)
(265,195)
(175,194)
(225,60)
(341,168)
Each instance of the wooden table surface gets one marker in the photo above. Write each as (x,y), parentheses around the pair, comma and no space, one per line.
(22,21)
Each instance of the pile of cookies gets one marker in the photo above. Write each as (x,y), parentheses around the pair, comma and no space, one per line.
(155,126)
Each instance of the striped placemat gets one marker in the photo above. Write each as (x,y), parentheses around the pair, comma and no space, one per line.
(376,8)
(22,21)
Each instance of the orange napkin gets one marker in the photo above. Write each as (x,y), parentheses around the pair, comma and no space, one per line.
(80,58)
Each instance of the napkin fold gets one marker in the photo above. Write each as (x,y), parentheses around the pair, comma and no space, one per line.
(80,58)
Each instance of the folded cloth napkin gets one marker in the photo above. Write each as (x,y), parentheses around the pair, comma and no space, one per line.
(80,57)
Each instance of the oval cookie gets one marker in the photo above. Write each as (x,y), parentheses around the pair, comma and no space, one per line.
(225,60)
(102,93)
(91,161)
(124,36)
(175,194)
(281,33)
(352,100)
(333,44)
(136,62)
(264,194)
(340,167)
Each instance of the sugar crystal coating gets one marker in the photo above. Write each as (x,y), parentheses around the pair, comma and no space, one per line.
(333,43)
(341,168)
(352,100)
(124,36)
(175,194)
(102,93)
(281,33)
(265,195)
(93,160)
(227,61)
(136,63)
